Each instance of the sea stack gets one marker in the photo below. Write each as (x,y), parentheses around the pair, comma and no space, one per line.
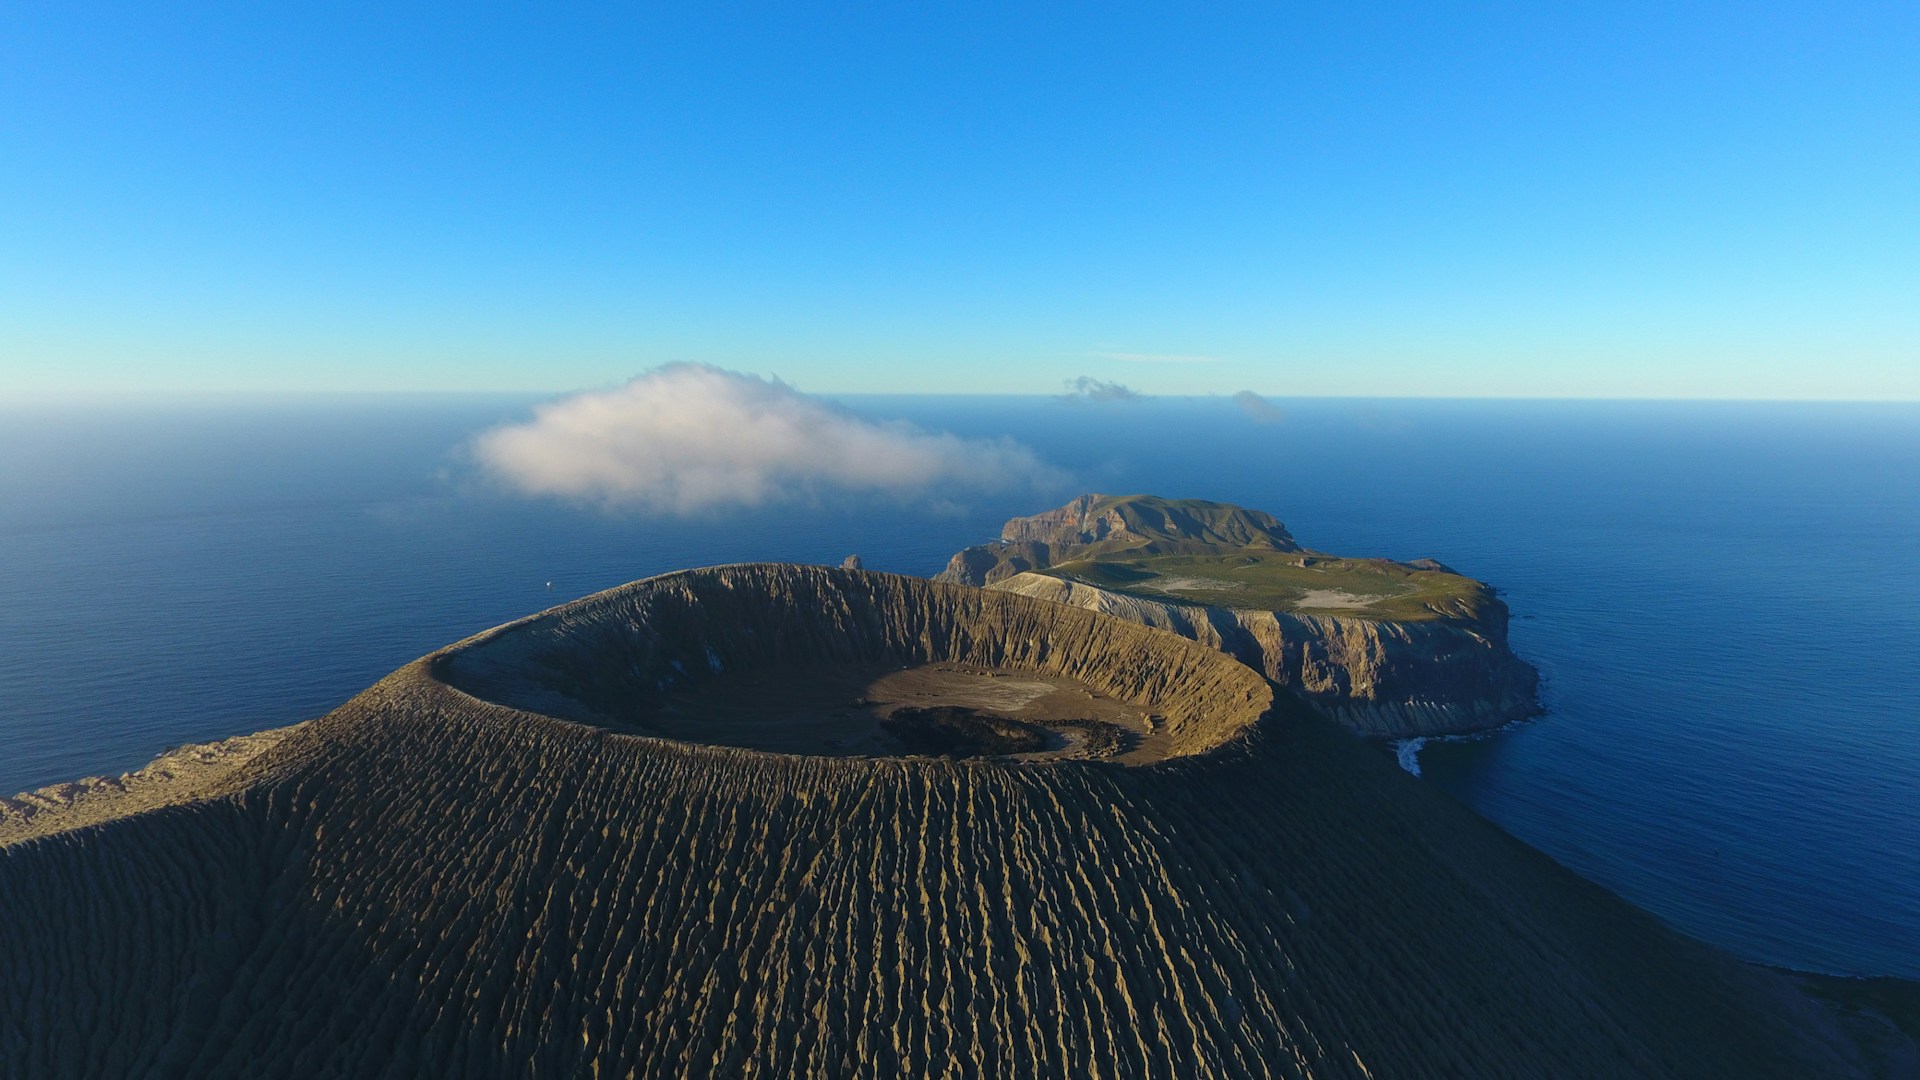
(782,820)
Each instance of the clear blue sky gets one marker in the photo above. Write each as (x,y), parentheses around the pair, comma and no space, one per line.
(1611,199)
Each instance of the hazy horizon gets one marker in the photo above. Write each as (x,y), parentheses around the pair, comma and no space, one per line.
(164,398)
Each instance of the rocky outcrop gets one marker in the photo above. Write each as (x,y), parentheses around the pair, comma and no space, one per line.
(466,871)
(1102,524)
(1379,678)
(1133,520)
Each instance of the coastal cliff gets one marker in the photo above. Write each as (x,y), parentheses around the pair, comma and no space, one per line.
(1423,653)
(1378,677)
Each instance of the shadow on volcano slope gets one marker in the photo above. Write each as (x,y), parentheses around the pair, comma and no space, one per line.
(481,867)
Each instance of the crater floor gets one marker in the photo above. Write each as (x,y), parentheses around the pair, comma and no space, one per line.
(875,710)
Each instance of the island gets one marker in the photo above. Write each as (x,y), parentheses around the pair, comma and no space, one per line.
(774,820)
(1387,648)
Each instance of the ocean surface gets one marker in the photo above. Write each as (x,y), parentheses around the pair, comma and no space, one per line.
(1724,599)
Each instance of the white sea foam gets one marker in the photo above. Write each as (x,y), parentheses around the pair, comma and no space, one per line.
(1407,752)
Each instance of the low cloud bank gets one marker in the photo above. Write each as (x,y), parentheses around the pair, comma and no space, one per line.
(1088,388)
(687,438)
(1262,410)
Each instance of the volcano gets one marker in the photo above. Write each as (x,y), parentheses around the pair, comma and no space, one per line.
(776,820)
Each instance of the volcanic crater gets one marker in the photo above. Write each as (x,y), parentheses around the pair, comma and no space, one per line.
(860,666)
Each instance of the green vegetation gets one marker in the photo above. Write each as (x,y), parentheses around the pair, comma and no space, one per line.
(1217,554)
(1284,581)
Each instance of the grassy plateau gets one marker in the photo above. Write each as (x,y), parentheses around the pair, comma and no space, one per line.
(1283,581)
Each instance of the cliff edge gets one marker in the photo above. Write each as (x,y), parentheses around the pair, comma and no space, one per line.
(1389,649)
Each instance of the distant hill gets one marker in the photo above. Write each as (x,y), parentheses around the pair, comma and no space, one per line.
(1098,525)
(1150,523)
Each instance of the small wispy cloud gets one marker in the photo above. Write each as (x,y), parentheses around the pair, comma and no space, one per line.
(1262,410)
(1088,388)
(1154,358)
(687,438)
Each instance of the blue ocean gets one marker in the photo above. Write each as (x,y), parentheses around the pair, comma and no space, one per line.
(1724,599)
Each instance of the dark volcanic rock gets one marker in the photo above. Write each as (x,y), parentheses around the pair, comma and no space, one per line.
(958,732)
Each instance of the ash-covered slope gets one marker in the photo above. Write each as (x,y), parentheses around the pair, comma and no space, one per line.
(1388,649)
(443,878)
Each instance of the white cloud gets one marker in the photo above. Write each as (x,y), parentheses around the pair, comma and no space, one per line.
(688,437)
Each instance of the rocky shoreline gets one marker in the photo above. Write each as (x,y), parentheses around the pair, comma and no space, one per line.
(177,775)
